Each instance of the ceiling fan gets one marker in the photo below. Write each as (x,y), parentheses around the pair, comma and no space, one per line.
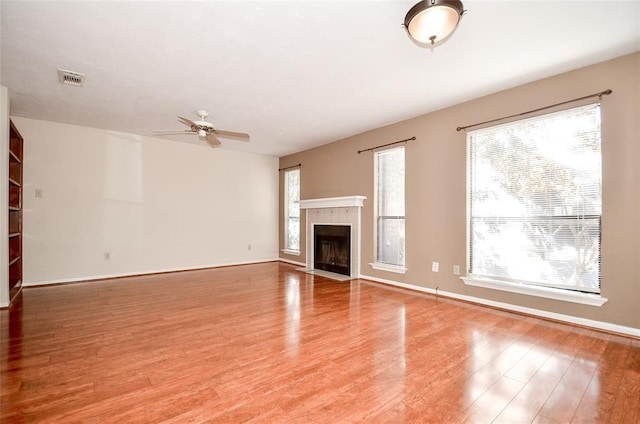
(204,130)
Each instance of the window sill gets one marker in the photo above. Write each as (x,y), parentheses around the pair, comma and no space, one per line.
(547,292)
(291,252)
(389,268)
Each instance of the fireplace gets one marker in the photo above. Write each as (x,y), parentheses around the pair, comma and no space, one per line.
(332,248)
(342,212)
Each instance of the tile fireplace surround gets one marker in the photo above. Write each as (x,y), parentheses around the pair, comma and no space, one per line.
(335,211)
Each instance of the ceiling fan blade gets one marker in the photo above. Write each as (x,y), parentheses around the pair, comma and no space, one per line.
(187,122)
(173,132)
(232,134)
(212,140)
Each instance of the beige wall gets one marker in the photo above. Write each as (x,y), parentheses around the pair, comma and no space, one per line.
(154,205)
(436,187)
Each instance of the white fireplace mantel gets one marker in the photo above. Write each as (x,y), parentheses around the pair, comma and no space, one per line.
(333,202)
(345,210)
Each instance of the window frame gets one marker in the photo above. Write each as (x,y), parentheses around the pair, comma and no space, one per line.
(377,264)
(290,250)
(515,286)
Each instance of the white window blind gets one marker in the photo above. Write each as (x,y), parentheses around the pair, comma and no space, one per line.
(390,206)
(535,200)
(292,209)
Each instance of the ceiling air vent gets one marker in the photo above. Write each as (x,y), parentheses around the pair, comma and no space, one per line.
(70,78)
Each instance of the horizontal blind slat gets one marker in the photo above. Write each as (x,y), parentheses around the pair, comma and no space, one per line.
(535,199)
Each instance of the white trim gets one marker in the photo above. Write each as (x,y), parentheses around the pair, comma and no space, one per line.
(546,292)
(291,252)
(600,325)
(138,273)
(333,202)
(301,264)
(387,267)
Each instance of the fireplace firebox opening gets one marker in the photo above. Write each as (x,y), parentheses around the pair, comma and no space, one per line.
(332,248)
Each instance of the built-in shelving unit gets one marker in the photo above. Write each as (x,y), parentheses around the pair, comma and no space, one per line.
(15,212)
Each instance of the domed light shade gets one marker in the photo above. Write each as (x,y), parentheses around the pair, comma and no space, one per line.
(430,21)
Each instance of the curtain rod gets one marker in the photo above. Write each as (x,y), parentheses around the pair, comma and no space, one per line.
(289,167)
(599,95)
(388,144)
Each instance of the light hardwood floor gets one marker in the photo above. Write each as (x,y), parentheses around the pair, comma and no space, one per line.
(265,343)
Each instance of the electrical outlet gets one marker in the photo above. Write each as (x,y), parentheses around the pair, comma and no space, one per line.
(107,256)
(456,270)
(38,193)
(435,266)
(249,247)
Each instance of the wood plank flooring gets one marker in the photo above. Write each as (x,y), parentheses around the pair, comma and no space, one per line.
(267,344)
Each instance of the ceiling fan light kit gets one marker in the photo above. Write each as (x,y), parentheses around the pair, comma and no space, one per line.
(204,130)
(432,21)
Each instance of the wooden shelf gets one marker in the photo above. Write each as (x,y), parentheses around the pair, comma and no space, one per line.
(15,197)
(15,143)
(15,221)
(15,211)
(14,156)
(15,172)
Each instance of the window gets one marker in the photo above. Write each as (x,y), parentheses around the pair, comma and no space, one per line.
(535,201)
(292,211)
(389,167)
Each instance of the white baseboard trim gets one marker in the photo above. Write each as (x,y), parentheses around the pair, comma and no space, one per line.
(138,273)
(292,262)
(599,325)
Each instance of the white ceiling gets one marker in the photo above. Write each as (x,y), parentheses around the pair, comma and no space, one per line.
(293,74)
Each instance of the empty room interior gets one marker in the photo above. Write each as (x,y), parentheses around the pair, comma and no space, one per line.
(320,211)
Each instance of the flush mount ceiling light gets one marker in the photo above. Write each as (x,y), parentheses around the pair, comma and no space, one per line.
(431,21)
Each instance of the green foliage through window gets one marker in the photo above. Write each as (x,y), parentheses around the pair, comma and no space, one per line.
(536,200)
